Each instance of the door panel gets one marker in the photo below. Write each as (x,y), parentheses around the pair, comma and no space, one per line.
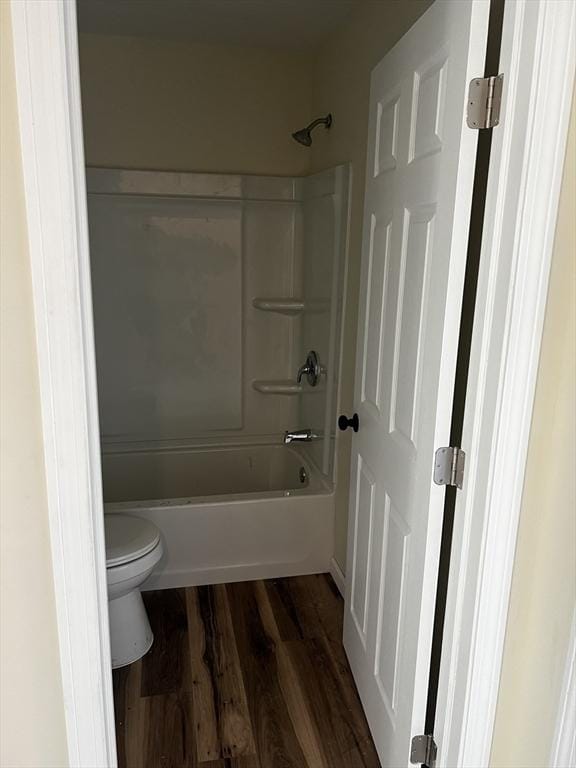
(380,239)
(392,593)
(412,309)
(364,498)
(417,201)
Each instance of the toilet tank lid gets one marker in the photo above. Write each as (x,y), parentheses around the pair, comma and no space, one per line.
(128,538)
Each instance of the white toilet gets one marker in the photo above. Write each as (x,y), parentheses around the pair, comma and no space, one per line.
(133,549)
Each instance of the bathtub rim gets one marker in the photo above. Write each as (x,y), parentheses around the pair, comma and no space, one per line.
(324,488)
(317,484)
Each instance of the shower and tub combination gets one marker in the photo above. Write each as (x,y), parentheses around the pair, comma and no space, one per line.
(217,309)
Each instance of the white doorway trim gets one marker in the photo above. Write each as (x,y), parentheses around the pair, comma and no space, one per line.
(47,83)
(526,165)
(526,168)
(563,752)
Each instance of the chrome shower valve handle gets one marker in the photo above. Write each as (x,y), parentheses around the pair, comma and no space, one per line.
(311,368)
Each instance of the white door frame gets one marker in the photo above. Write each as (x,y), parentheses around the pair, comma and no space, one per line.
(563,752)
(526,166)
(48,90)
(526,170)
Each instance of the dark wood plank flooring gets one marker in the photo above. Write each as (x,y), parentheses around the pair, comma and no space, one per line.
(247,675)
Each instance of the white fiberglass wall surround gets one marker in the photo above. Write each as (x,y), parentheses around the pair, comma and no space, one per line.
(176,262)
(325,225)
(208,291)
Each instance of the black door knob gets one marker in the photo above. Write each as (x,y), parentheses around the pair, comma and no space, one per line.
(344,422)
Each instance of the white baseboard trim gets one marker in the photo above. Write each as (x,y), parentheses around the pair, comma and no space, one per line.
(338,576)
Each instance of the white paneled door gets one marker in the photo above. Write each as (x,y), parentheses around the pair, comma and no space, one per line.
(421,158)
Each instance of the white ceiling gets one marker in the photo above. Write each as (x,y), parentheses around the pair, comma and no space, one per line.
(296,25)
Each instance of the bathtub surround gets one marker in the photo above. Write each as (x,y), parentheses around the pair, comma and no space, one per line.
(209,291)
(191,274)
(325,224)
(177,260)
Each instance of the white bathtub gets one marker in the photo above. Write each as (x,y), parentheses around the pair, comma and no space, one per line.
(226,514)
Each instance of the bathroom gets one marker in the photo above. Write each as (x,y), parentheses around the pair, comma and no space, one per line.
(225,245)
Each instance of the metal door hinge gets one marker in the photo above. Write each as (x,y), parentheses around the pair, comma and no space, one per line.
(484,99)
(423,751)
(449,466)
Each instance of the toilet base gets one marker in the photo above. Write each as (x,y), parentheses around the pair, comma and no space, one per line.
(130,632)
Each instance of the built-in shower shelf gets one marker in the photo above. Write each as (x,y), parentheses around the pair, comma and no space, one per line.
(284,306)
(277,387)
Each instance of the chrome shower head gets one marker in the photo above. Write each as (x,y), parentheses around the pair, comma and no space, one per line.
(304,135)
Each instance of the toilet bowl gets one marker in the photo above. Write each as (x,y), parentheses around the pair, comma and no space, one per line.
(133,549)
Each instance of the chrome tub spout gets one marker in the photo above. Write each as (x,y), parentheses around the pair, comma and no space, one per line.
(299,436)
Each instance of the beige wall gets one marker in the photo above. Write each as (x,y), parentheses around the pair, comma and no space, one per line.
(341,85)
(31,707)
(544,582)
(165,105)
